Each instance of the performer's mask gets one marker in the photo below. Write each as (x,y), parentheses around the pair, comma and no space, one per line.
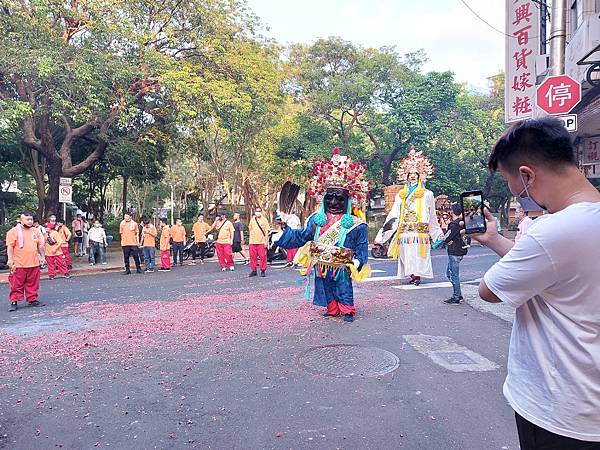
(336,200)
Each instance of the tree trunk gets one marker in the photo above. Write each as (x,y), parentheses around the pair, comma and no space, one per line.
(124,198)
(54,169)
(386,175)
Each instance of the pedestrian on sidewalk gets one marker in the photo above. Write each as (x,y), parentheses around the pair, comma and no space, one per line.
(55,258)
(148,243)
(165,246)
(24,246)
(457,249)
(238,238)
(130,243)
(259,230)
(178,234)
(66,237)
(42,229)
(98,243)
(224,244)
(199,230)
(524,222)
(77,229)
(86,240)
(550,276)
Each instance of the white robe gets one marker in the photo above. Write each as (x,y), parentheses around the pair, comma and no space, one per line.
(410,261)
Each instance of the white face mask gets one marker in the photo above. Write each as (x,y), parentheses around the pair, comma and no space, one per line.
(258,214)
(97,225)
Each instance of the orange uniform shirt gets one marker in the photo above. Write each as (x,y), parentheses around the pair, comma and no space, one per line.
(66,234)
(149,236)
(28,256)
(256,235)
(165,238)
(129,236)
(200,229)
(226,233)
(178,233)
(55,249)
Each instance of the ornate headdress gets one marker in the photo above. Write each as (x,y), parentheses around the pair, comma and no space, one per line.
(415,162)
(340,172)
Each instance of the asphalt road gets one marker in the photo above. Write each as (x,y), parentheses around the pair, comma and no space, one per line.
(197,358)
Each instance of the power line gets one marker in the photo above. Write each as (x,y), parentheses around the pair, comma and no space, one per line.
(483,20)
(492,26)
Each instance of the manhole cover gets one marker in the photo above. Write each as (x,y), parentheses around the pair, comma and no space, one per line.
(348,361)
(456,358)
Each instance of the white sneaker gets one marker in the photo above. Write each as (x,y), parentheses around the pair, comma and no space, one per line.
(91,264)
(104,263)
(223,269)
(232,268)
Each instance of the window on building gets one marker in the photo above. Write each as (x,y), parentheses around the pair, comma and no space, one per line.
(576,15)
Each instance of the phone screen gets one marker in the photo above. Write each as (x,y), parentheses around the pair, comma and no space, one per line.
(472,204)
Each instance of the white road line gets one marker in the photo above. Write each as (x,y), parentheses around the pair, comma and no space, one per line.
(410,287)
(381,278)
(377,271)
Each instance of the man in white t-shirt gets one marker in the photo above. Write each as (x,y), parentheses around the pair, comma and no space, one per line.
(552,277)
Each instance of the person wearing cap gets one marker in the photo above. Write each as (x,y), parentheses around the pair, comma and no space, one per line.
(224,244)
(24,246)
(130,243)
(55,258)
(258,228)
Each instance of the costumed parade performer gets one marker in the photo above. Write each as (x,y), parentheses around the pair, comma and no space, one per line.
(334,242)
(414,219)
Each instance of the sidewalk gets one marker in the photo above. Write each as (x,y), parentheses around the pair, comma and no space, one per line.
(81,265)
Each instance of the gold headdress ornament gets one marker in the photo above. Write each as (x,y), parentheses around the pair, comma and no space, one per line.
(340,172)
(415,162)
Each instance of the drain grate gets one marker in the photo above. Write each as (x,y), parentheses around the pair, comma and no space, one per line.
(345,360)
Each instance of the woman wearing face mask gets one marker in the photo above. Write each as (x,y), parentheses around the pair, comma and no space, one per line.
(98,243)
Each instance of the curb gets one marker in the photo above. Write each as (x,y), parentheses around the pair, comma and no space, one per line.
(82,271)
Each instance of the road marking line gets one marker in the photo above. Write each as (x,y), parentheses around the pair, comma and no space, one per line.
(444,352)
(381,278)
(377,271)
(410,287)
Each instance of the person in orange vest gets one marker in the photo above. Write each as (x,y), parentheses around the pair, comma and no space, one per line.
(148,243)
(224,244)
(66,237)
(199,229)
(25,250)
(130,242)
(165,246)
(178,234)
(55,257)
(259,230)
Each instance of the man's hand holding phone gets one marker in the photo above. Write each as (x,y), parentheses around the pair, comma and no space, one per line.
(491,238)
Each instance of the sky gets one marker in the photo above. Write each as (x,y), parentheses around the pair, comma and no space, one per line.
(451,35)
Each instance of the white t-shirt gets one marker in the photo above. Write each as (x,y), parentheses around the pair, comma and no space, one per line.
(552,277)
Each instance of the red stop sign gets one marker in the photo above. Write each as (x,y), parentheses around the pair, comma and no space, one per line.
(558,94)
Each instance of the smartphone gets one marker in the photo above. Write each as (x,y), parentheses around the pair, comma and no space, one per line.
(472,207)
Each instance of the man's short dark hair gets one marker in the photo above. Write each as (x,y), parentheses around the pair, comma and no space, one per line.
(543,141)
(163,220)
(146,220)
(456,209)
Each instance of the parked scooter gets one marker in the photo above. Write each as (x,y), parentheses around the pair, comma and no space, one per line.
(274,252)
(191,249)
(383,239)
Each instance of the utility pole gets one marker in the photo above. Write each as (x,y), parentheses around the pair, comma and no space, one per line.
(558,36)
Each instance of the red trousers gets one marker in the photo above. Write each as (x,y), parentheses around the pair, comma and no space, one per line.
(291,253)
(225,254)
(68,260)
(165,259)
(56,262)
(258,252)
(334,308)
(24,284)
